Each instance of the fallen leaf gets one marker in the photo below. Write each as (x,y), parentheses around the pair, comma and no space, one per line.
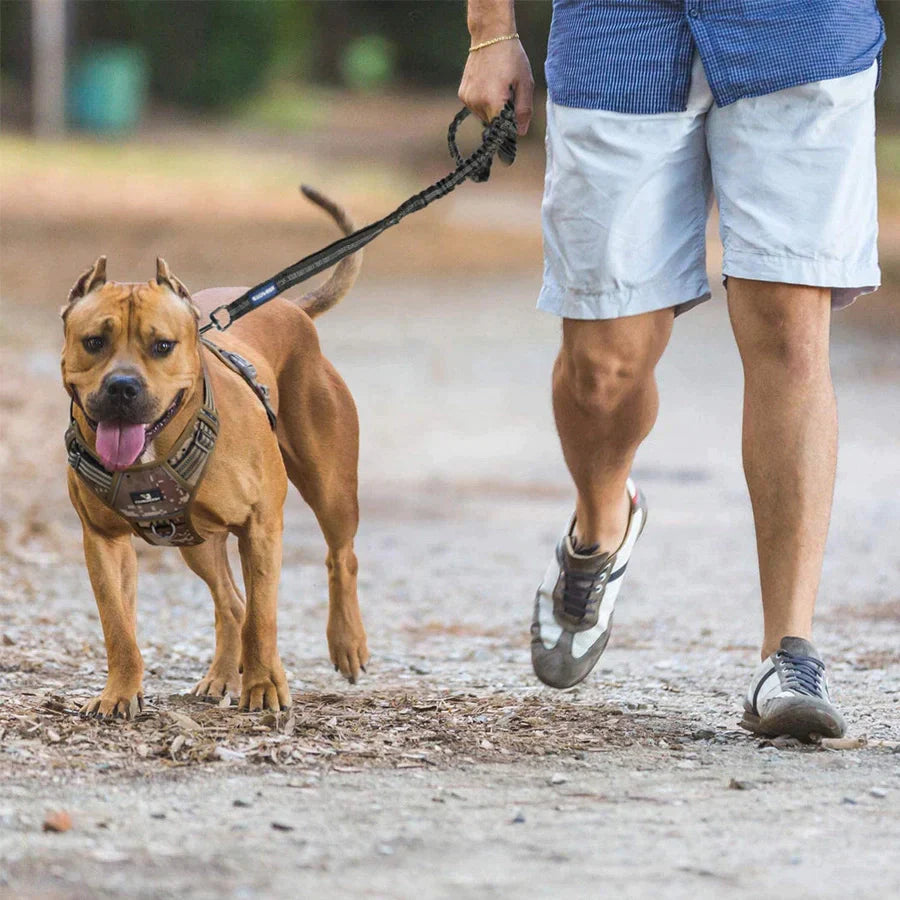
(227,755)
(844,743)
(57,821)
(736,785)
(182,721)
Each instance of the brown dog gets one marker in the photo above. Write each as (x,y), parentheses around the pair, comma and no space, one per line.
(134,367)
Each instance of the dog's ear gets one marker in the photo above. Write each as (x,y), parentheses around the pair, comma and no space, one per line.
(165,278)
(93,278)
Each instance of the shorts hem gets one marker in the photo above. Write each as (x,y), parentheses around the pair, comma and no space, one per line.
(569,303)
(847,282)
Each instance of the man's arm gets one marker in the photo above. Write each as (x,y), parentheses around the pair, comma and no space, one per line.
(492,71)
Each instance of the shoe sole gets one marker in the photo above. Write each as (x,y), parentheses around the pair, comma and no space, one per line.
(562,675)
(803,720)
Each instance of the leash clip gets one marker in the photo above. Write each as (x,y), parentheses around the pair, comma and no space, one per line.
(220,325)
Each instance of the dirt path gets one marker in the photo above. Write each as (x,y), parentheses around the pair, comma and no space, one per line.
(449,772)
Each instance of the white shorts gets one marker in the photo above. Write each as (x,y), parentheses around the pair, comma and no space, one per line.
(626,198)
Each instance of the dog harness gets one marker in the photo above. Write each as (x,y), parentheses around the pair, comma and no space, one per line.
(155,498)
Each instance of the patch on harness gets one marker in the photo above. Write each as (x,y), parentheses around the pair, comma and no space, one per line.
(138,498)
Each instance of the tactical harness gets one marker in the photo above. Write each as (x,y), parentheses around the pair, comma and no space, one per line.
(155,498)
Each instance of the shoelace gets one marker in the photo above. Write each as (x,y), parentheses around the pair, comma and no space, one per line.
(802,674)
(579,592)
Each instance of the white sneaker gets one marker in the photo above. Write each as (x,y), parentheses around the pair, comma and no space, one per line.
(574,605)
(789,695)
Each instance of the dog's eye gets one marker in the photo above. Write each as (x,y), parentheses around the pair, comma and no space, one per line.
(94,344)
(162,348)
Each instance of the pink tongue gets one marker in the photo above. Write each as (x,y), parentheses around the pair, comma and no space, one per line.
(118,445)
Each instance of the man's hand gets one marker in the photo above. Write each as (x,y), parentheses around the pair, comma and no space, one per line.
(493,72)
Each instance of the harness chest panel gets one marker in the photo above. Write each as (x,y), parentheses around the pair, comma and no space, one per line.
(155,498)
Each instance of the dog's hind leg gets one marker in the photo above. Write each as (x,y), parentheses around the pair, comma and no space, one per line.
(319,436)
(210,561)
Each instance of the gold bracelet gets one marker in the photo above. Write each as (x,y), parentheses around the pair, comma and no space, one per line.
(496,40)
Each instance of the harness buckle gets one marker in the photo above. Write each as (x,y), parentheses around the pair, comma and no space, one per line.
(215,321)
(205,438)
(75,454)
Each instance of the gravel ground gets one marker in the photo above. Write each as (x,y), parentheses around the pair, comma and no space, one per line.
(449,771)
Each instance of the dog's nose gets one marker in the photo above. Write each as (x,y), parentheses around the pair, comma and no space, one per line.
(123,388)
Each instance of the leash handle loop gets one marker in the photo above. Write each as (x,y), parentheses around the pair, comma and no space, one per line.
(503,127)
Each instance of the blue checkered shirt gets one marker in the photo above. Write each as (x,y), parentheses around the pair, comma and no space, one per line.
(634,56)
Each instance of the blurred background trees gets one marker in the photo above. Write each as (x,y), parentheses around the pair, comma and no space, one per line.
(212,56)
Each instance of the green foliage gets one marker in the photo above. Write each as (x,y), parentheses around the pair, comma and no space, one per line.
(367,63)
(205,55)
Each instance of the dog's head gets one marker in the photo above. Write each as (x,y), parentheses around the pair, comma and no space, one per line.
(130,357)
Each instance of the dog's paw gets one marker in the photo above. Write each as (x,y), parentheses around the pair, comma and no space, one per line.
(349,652)
(217,683)
(265,689)
(113,705)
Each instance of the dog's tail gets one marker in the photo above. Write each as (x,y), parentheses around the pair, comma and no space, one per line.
(327,295)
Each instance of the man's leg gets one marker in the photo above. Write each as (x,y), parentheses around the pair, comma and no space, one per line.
(605,402)
(789,442)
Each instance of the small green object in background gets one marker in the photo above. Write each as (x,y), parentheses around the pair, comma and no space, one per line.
(367,63)
(108,89)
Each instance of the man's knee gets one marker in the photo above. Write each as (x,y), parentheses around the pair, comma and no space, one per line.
(603,364)
(601,382)
(781,325)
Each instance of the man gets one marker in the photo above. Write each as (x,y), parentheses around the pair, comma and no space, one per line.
(654,106)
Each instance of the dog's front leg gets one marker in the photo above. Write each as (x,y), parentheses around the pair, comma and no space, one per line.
(210,561)
(112,565)
(263,685)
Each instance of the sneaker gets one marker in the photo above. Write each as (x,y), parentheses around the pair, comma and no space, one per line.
(789,695)
(574,604)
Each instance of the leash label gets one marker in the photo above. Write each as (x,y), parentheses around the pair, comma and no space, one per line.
(139,498)
(263,293)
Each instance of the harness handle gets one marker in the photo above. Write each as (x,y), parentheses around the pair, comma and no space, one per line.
(498,138)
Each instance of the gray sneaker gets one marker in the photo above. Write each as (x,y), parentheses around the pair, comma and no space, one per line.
(788,695)
(574,605)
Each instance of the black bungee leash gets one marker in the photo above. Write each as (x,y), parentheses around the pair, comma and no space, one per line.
(498,138)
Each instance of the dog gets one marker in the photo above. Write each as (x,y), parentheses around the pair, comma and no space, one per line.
(138,376)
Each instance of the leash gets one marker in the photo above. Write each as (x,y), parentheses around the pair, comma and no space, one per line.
(498,139)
